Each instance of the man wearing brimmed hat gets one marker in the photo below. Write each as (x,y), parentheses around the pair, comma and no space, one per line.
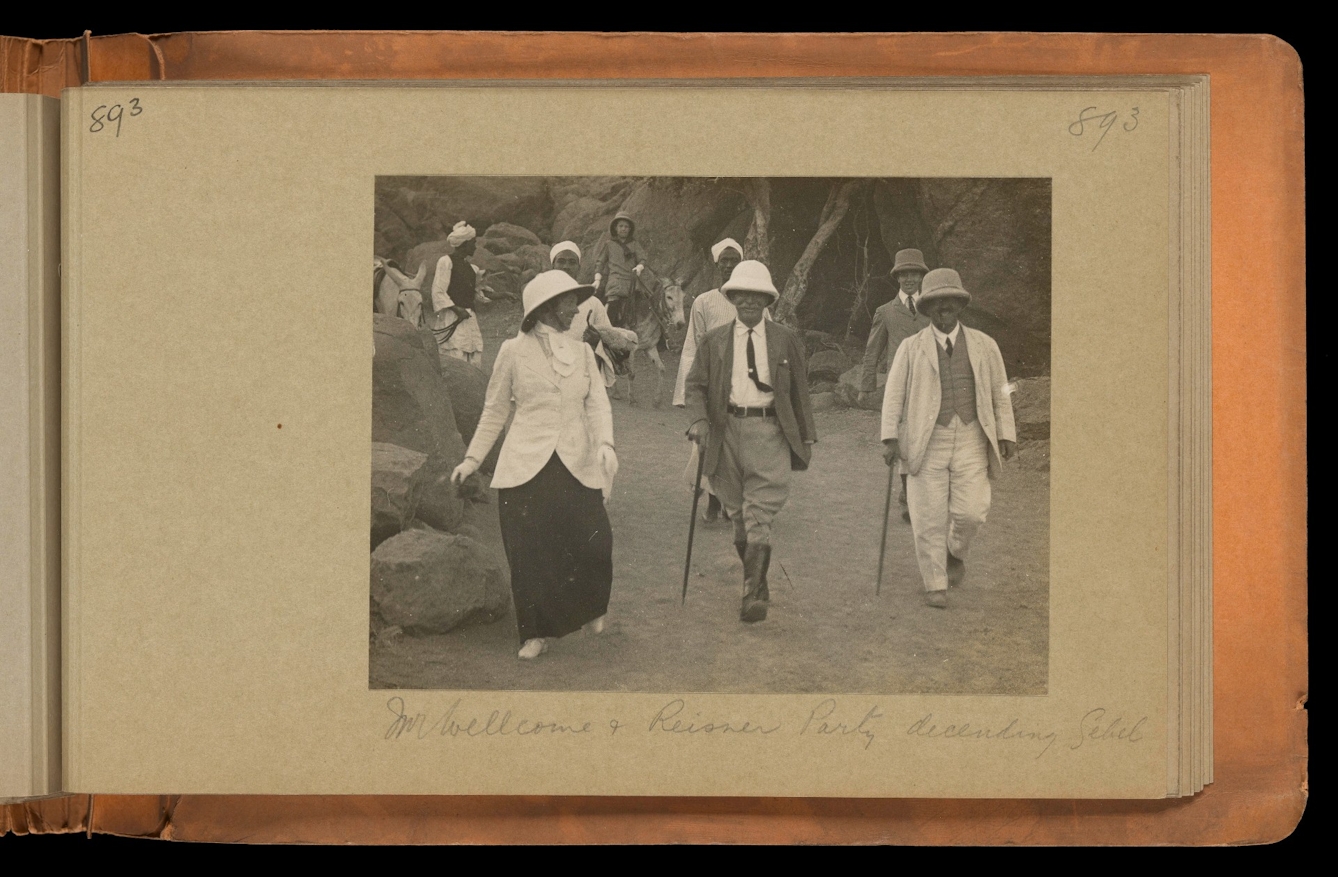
(948,419)
(747,402)
(591,323)
(710,310)
(893,323)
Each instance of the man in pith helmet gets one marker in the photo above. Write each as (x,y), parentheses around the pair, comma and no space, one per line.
(948,418)
(749,413)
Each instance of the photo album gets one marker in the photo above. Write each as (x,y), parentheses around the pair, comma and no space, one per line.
(825,438)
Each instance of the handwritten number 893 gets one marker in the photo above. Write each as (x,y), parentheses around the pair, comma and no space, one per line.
(104,116)
(1104,122)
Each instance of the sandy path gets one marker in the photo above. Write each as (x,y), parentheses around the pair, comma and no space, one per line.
(826,630)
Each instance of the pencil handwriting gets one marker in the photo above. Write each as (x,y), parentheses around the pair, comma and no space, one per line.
(820,723)
(1013,731)
(1103,121)
(667,720)
(453,723)
(1095,725)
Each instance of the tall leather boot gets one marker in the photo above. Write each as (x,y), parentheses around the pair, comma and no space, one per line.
(754,607)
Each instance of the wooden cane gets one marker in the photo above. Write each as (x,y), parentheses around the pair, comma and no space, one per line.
(692,523)
(887,512)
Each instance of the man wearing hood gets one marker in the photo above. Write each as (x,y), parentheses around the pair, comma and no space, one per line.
(618,263)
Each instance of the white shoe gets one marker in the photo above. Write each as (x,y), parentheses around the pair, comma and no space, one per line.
(532,649)
(596,627)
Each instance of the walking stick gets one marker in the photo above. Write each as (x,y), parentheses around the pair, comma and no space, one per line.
(692,524)
(887,512)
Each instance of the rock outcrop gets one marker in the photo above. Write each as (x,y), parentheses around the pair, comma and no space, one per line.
(424,581)
(411,404)
(995,232)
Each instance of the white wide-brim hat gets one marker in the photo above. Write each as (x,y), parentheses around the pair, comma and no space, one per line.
(942,283)
(549,285)
(751,276)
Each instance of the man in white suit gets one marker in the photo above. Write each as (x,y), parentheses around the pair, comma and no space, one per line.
(948,418)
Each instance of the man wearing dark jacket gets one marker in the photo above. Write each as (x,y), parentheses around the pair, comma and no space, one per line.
(893,323)
(748,408)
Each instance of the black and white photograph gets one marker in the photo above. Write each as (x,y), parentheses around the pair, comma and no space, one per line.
(686,434)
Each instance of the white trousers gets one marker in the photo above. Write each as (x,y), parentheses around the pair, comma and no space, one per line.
(948,498)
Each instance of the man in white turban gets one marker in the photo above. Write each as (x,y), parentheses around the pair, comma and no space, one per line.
(453,295)
(591,322)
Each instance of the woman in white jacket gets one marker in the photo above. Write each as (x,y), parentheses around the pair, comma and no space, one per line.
(555,462)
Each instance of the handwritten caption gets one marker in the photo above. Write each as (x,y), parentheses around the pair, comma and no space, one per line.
(104,117)
(1094,122)
(860,723)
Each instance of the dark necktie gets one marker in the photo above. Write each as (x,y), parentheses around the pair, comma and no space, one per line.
(752,365)
(947,345)
(910,303)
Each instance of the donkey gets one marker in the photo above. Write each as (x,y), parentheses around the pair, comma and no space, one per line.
(395,293)
(656,307)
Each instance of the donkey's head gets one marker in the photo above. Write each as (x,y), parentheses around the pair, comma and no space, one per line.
(674,298)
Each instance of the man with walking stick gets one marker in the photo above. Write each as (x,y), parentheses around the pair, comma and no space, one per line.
(748,406)
(948,419)
(893,323)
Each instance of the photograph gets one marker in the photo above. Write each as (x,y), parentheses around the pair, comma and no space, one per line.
(704,434)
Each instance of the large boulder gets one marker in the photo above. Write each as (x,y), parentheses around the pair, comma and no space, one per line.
(409,486)
(677,221)
(506,237)
(996,234)
(1031,408)
(1034,456)
(822,401)
(396,489)
(467,386)
(411,405)
(828,364)
(847,389)
(410,210)
(429,252)
(429,582)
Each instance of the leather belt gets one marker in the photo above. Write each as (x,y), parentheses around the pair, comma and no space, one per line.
(737,411)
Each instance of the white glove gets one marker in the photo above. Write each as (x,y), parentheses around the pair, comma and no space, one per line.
(608,461)
(595,284)
(464,470)
(638,269)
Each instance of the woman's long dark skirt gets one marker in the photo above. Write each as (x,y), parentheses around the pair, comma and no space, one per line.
(559,545)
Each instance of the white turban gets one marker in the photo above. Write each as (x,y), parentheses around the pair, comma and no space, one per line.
(725,245)
(565,246)
(461,234)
